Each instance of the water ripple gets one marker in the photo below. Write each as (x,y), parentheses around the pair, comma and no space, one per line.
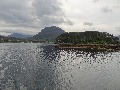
(44,67)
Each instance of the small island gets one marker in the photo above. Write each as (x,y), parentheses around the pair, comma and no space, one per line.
(88,40)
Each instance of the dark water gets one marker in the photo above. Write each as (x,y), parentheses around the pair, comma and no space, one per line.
(43,67)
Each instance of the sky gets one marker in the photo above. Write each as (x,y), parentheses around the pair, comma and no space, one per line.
(30,16)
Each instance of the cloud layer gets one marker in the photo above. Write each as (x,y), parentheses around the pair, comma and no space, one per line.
(88,23)
(98,15)
(106,10)
(32,14)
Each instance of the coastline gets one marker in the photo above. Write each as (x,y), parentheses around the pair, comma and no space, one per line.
(89,46)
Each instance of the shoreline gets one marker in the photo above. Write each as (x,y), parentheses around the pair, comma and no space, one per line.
(89,46)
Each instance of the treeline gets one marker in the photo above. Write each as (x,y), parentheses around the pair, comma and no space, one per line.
(87,37)
(15,40)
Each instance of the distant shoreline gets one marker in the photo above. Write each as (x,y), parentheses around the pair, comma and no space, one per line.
(89,46)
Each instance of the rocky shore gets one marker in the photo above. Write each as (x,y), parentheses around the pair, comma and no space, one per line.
(89,46)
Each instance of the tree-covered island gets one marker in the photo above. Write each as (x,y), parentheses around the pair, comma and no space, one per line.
(88,39)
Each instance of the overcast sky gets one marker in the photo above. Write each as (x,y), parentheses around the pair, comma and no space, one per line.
(30,16)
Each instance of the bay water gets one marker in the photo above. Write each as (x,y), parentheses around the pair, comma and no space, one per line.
(38,66)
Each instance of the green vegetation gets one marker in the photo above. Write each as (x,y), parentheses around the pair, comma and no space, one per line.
(87,37)
(15,40)
(57,35)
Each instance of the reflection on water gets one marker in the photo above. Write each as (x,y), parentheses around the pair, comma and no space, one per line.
(44,67)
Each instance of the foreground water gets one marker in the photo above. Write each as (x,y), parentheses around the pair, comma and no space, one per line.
(43,67)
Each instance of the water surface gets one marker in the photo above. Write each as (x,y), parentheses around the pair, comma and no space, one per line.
(43,67)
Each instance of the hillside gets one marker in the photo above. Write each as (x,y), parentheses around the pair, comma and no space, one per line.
(119,37)
(87,37)
(4,39)
(21,36)
(48,33)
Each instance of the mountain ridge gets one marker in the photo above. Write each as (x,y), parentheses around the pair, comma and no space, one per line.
(21,36)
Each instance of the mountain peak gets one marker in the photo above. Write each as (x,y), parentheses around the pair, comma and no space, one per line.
(49,33)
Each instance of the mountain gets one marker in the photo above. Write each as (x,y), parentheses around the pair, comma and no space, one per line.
(48,33)
(17,35)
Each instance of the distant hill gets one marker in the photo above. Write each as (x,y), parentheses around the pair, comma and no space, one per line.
(4,39)
(49,33)
(21,36)
(1,36)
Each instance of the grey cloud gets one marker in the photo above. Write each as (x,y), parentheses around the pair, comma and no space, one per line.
(22,31)
(49,12)
(118,29)
(13,11)
(38,14)
(47,7)
(106,10)
(95,0)
(116,7)
(10,31)
(69,22)
(88,23)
